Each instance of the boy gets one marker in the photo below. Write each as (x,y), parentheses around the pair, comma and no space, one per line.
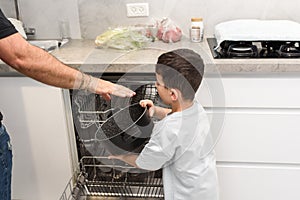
(177,139)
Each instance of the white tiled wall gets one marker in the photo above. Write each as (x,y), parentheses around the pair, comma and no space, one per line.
(88,18)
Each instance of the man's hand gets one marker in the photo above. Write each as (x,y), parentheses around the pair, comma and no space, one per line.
(106,88)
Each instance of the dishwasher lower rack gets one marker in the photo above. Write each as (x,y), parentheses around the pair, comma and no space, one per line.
(102,178)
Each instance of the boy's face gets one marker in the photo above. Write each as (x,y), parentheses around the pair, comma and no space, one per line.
(163,91)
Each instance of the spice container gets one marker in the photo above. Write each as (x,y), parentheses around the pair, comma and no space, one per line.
(196,30)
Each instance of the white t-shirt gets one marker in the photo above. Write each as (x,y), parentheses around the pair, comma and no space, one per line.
(175,146)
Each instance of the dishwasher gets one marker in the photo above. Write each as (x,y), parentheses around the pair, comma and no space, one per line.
(100,132)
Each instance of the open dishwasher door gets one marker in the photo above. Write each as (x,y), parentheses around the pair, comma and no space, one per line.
(96,181)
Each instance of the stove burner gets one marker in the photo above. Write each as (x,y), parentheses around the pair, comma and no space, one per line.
(242,50)
(289,51)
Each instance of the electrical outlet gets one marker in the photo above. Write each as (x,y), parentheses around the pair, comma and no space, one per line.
(137,9)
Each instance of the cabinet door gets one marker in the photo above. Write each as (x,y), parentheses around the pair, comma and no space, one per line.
(254,91)
(238,182)
(34,115)
(257,135)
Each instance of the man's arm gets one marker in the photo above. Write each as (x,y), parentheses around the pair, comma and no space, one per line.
(35,62)
(42,66)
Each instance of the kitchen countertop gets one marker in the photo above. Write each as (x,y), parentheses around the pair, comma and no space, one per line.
(83,54)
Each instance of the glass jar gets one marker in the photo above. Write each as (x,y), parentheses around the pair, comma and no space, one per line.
(196,30)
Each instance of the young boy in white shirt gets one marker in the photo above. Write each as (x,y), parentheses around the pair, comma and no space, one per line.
(177,139)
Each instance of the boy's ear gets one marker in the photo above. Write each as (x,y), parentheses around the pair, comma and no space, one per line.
(174,94)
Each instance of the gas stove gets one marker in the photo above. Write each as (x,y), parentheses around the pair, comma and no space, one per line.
(256,38)
(254,49)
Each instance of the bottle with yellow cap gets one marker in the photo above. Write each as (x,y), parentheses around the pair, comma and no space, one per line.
(196,30)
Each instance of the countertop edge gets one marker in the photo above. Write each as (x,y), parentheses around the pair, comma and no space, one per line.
(85,56)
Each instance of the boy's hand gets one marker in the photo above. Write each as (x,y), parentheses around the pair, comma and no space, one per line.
(150,105)
(119,157)
(128,158)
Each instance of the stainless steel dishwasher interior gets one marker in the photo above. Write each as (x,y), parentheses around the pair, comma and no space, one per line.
(98,177)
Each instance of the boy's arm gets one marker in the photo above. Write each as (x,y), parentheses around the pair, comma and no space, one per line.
(155,111)
(160,112)
(128,158)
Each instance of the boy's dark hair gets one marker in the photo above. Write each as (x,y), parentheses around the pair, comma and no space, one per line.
(181,69)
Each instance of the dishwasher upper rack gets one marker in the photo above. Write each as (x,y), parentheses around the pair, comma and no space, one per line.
(102,177)
(93,110)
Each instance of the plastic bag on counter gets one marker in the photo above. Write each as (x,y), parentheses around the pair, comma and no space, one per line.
(168,31)
(123,38)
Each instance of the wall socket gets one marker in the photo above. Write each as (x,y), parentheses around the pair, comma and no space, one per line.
(137,9)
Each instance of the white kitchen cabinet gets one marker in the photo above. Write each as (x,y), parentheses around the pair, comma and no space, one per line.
(35,117)
(258,148)
(257,152)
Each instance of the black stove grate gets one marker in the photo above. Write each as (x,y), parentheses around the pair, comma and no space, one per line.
(255,49)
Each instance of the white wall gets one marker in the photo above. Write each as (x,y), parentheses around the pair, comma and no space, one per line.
(44,16)
(91,17)
(97,15)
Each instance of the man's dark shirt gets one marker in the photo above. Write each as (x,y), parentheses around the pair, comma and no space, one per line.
(6,29)
(1,117)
